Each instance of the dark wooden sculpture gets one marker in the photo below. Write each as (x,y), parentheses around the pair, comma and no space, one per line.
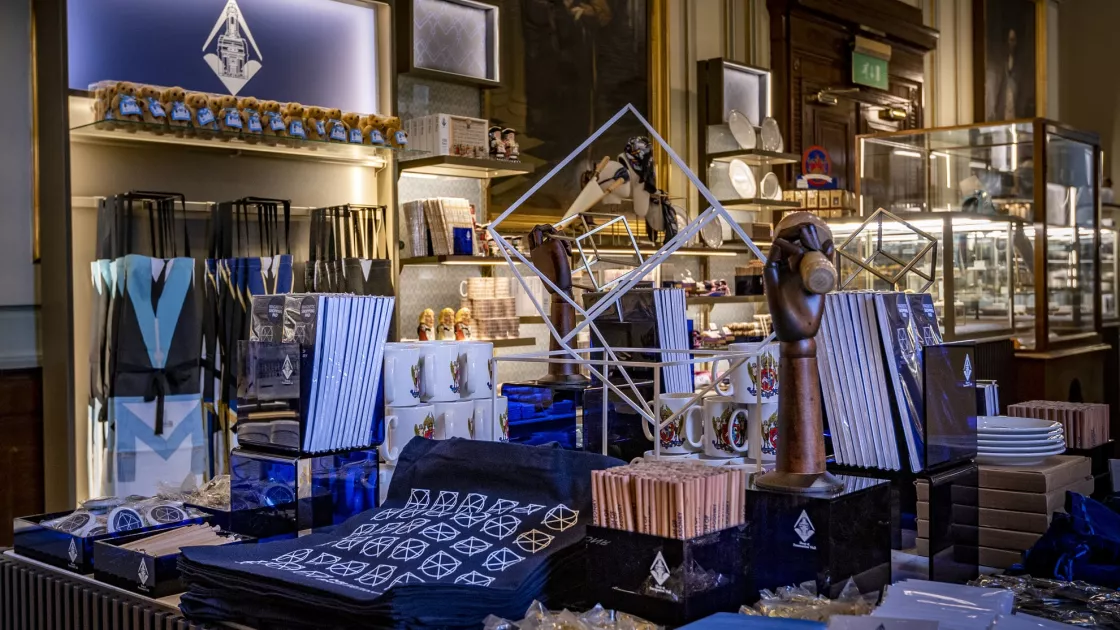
(798,273)
(553,258)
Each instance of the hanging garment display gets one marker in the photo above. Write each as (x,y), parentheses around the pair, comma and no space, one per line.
(145,407)
(461,535)
(238,267)
(349,253)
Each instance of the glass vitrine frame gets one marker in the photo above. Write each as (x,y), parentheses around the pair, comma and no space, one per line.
(1009,157)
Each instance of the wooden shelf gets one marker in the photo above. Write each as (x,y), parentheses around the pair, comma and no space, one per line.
(755,157)
(462,261)
(724,299)
(512,343)
(758,203)
(459,166)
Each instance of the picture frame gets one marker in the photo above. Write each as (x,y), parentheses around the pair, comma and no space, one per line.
(1009,60)
(424,50)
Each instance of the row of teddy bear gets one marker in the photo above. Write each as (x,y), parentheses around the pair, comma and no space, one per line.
(204,113)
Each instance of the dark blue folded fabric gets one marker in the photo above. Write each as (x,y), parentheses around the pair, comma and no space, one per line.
(468,528)
(1082,544)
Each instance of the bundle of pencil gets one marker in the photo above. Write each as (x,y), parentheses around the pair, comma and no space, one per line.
(173,540)
(670,499)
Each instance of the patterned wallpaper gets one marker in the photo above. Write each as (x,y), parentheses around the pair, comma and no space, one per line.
(452,37)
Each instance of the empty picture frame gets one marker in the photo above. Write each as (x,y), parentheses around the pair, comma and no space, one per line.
(449,40)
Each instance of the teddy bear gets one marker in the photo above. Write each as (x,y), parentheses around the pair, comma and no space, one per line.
(393,132)
(293,120)
(125,105)
(373,130)
(203,120)
(174,103)
(103,102)
(229,117)
(152,109)
(315,125)
(252,127)
(336,129)
(353,124)
(273,120)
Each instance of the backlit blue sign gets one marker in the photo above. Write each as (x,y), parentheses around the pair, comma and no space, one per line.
(316,52)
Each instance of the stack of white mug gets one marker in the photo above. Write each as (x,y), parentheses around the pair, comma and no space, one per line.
(717,430)
(439,390)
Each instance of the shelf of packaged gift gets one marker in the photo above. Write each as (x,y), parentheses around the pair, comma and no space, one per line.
(758,203)
(755,157)
(460,166)
(129,132)
(712,300)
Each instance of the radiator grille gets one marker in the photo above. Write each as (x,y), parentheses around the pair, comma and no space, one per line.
(34,598)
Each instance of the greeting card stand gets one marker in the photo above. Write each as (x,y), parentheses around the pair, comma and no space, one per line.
(826,538)
(669,581)
(280,496)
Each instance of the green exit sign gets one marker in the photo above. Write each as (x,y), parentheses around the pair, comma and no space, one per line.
(869,70)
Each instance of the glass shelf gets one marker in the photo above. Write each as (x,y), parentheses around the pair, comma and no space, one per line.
(758,203)
(129,132)
(460,166)
(756,157)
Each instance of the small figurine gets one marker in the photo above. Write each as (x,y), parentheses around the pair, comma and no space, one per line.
(497,147)
(426,324)
(446,325)
(463,324)
(512,149)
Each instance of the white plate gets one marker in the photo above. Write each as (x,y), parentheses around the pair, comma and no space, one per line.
(1008,424)
(1009,459)
(712,234)
(1015,437)
(742,129)
(742,179)
(982,443)
(1051,449)
(770,187)
(771,136)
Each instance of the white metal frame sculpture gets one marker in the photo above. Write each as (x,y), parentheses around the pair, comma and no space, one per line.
(599,368)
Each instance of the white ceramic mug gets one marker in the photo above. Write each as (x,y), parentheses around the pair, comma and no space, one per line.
(384,476)
(757,381)
(484,426)
(439,371)
(764,419)
(453,419)
(474,369)
(404,423)
(725,427)
(401,374)
(683,435)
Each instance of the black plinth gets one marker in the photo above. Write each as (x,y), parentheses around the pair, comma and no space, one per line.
(827,538)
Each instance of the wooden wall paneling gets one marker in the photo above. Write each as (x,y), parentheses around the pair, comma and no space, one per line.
(21,447)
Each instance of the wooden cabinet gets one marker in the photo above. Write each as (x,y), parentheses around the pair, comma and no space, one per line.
(811,53)
(21,447)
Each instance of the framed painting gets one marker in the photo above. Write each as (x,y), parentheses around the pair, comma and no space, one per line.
(1006,59)
(570,65)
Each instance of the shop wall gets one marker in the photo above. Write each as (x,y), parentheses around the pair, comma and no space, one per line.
(18,338)
(1089,92)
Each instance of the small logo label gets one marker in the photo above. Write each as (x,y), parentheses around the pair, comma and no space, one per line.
(967,369)
(142,573)
(903,306)
(660,570)
(73,552)
(287,370)
(804,530)
(231,58)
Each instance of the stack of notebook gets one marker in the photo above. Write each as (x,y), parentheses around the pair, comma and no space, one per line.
(468,529)
(868,355)
(1009,511)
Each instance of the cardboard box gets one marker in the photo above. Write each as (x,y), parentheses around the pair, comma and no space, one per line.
(799,195)
(1060,471)
(996,538)
(921,546)
(836,199)
(1034,502)
(999,558)
(1001,519)
(812,199)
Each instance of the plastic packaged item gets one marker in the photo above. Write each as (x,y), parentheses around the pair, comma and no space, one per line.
(802,602)
(598,618)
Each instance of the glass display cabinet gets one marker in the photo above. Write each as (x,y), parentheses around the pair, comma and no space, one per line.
(1014,208)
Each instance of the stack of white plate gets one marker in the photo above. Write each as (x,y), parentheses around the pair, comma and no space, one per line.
(1007,441)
